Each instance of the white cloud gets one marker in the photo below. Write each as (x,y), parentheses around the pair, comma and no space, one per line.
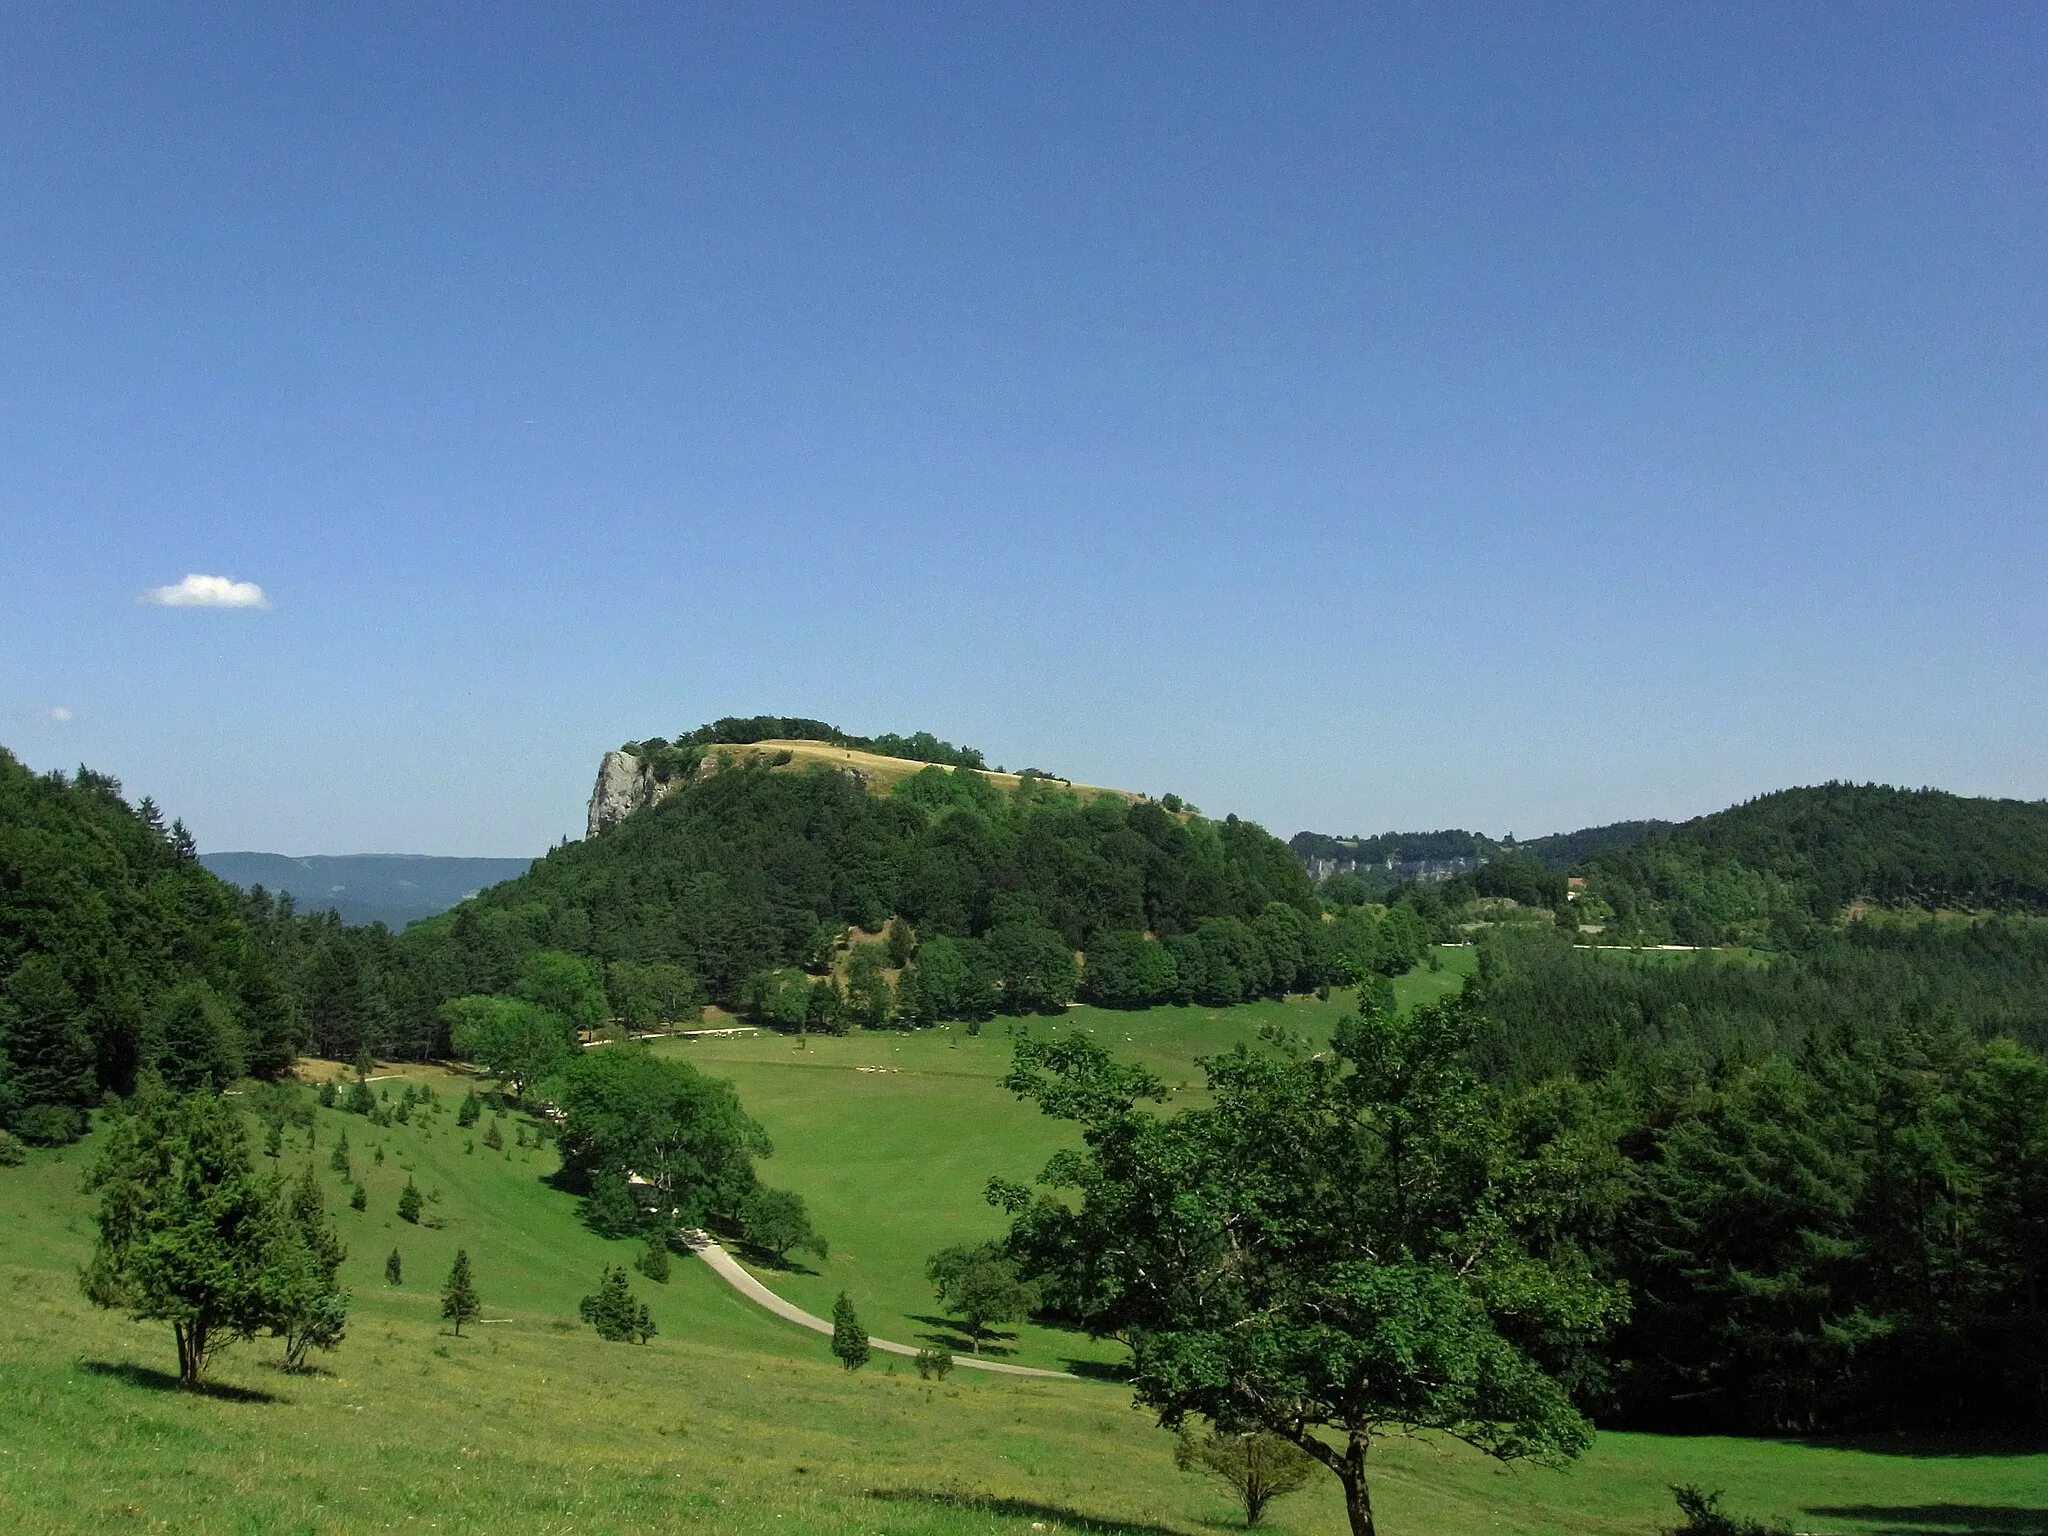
(197,591)
(56,714)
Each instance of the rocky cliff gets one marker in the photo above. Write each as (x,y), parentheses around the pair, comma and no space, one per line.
(624,785)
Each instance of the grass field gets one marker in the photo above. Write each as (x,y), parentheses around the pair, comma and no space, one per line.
(730,1420)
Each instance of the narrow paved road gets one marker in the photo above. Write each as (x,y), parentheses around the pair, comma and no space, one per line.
(728,1268)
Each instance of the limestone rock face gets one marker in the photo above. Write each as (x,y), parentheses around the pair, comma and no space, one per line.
(624,785)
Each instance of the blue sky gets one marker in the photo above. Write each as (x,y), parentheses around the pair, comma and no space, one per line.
(1354,417)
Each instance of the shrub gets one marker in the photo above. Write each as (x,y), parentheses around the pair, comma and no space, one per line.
(1258,1467)
(1705,1517)
(12,1153)
(934,1364)
(49,1125)
(654,1262)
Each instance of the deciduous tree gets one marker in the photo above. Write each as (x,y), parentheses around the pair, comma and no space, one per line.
(1340,1246)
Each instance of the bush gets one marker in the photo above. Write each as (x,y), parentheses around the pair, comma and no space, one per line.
(1258,1467)
(12,1153)
(1705,1517)
(934,1364)
(654,1262)
(49,1125)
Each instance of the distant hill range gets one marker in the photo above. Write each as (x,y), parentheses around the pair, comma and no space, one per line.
(389,888)
(1392,857)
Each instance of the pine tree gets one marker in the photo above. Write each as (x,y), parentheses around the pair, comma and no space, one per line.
(394,1270)
(409,1202)
(338,1158)
(359,1199)
(472,1106)
(459,1302)
(493,1138)
(613,1312)
(273,1143)
(849,1339)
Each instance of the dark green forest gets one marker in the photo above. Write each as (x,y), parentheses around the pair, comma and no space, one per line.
(1768,871)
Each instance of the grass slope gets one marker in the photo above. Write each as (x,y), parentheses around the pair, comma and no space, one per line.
(881,773)
(730,1420)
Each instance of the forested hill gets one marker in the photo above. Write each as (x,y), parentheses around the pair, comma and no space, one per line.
(1762,871)
(740,871)
(118,951)
(1395,855)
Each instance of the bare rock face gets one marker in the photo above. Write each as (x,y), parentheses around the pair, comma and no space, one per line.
(624,785)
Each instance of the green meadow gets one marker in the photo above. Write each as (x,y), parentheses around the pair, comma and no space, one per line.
(732,1421)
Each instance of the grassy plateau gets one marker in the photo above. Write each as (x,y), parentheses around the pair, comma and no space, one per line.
(731,1420)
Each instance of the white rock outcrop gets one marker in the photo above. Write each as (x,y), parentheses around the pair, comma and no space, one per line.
(624,785)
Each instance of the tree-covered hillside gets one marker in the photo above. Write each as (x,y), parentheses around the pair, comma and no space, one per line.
(118,951)
(1763,871)
(752,871)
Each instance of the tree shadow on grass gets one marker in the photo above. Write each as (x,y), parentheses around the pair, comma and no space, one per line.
(950,1336)
(1943,1519)
(980,1504)
(163,1381)
(763,1258)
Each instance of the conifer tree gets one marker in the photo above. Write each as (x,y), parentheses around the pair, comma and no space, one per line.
(472,1106)
(394,1270)
(849,1339)
(459,1302)
(493,1138)
(409,1202)
(359,1199)
(613,1312)
(189,1234)
(312,1307)
(338,1158)
(273,1142)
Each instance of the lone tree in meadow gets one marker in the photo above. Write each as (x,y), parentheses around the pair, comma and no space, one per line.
(459,1303)
(1339,1247)
(979,1283)
(849,1339)
(409,1202)
(613,1311)
(189,1233)
(778,1220)
(394,1269)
